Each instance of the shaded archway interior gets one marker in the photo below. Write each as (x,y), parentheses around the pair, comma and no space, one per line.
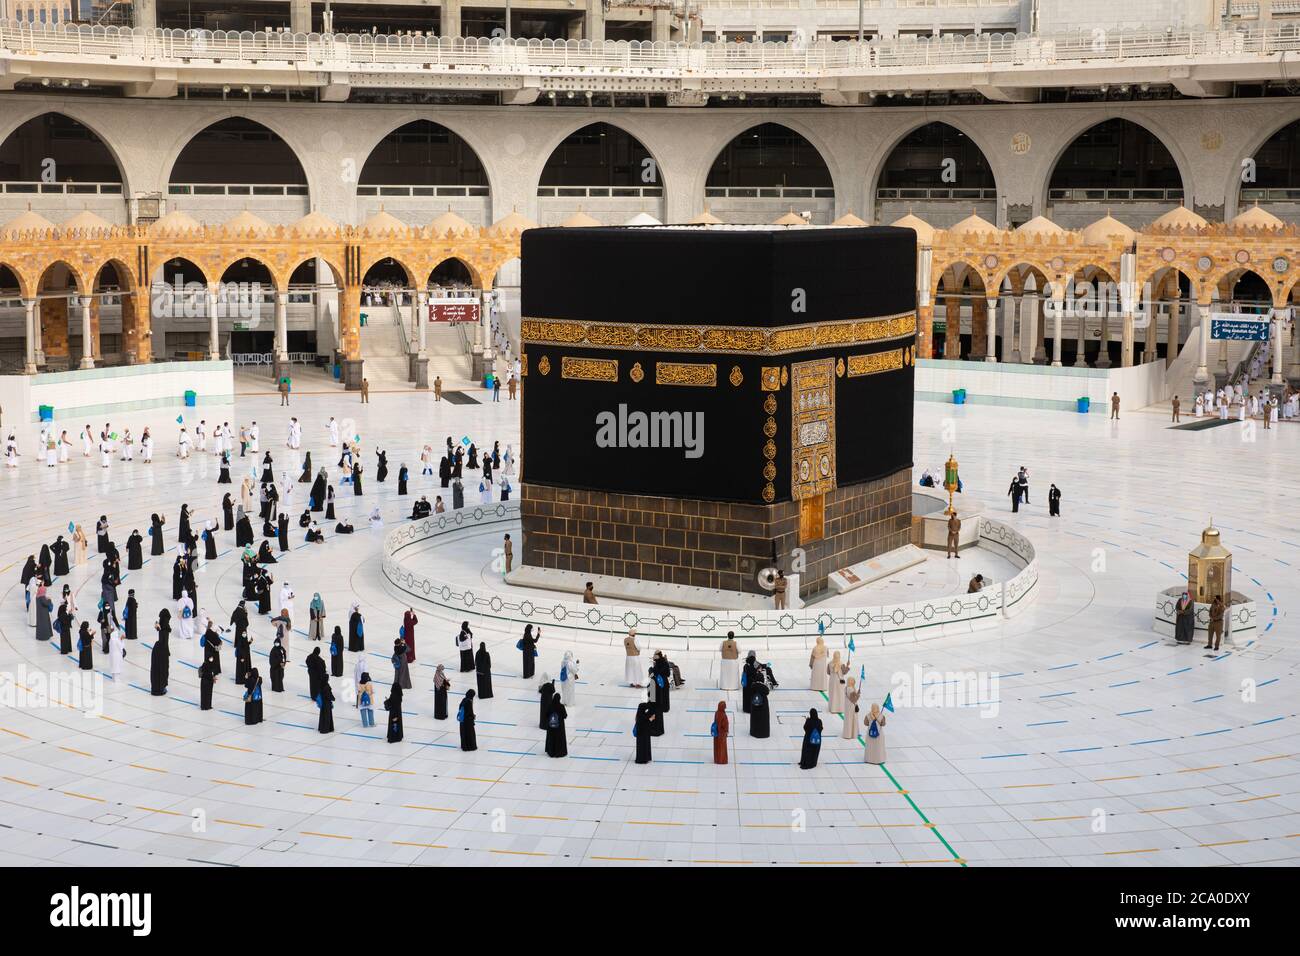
(53,148)
(238,150)
(769,155)
(600,155)
(1116,154)
(423,153)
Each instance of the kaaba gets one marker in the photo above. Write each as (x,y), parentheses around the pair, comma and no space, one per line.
(704,403)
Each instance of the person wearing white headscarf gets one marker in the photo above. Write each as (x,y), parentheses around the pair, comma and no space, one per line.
(363,667)
(286,604)
(568,679)
(116,653)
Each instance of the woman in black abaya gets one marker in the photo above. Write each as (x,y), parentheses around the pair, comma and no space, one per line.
(557,743)
(85,648)
(277,666)
(759,717)
(253,698)
(812,741)
(381,470)
(228,512)
(483,671)
(207,679)
(130,611)
(643,730)
(60,549)
(317,496)
(545,692)
(402,476)
(160,657)
(394,707)
(243,529)
(465,715)
(156,546)
(306,470)
(101,534)
(326,699)
(440,687)
(336,653)
(134,552)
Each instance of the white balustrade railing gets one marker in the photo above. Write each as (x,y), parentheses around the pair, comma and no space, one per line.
(692,628)
(366,53)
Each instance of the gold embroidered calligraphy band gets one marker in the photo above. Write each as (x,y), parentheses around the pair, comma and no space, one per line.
(677,373)
(588,369)
(875,362)
(718,339)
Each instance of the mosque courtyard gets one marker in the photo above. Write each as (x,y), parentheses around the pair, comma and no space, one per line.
(1089,739)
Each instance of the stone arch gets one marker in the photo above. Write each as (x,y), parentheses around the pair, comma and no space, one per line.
(371,260)
(1089,122)
(553,142)
(466,132)
(1234,187)
(953,122)
(9,130)
(204,124)
(732,131)
(25,286)
(475,274)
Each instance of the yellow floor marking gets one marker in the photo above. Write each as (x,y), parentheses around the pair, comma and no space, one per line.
(672,791)
(885,826)
(170,813)
(113,719)
(949,860)
(1133,776)
(231,783)
(163,733)
(140,766)
(1022,786)
(482,780)
(411,773)
(1049,819)
(656,823)
(23,782)
(773,793)
(73,750)
(415,806)
(1164,809)
(519,852)
(1122,852)
(242,750)
(729,862)
(332,836)
(1274,757)
(573,786)
(828,862)
(1216,766)
(1226,843)
(307,759)
(82,796)
(236,823)
(873,793)
(764,826)
(1267,796)
(434,846)
(15,733)
(325,796)
(530,816)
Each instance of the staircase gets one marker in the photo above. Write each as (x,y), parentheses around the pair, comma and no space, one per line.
(445,348)
(382,349)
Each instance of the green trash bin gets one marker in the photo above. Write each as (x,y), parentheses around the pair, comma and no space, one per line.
(191,398)
(959,396)
(47,413)
(1084,405)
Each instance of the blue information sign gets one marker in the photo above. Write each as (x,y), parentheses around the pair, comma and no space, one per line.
(1240,329)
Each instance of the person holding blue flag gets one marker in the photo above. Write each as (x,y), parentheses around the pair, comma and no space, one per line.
(812,741)
(874,723)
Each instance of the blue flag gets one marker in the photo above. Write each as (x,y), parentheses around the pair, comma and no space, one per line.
(852,646)
(821,626)
(180,419)
(862,674)
(464,440)
(71,527)
(889,703)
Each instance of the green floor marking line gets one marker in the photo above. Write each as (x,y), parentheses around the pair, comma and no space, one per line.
(908,797)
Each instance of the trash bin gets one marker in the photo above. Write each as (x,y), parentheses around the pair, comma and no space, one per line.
(364,316)
(959,396)
(338,371)
(47,413)
(1085,405)
(191,398)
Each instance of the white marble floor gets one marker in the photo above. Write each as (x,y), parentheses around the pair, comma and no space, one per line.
(1098,744)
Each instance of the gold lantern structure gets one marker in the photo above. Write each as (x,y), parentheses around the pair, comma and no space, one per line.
(950,482)
(1209,569)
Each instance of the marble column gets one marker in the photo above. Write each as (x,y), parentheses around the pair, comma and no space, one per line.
(1278,316)
(1012,308)
(1103,352)
(991,331)
(87,345)
(1202,376)
(33,328)
(1293,371)
(214,342)
(1039,337)
(1173,333)
(1081,355)
(979,317)
(952,327)
(1058,309)
(282,326)
(1126,341)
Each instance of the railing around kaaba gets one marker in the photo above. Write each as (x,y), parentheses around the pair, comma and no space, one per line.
(693,629)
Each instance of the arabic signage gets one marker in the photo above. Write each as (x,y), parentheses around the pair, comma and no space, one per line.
(1234,327)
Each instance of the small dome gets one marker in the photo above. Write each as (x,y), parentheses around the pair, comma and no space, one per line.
(27,221)
(848,219)
(512,224)
(1040,226)
(705,218)
(580,218)
(86,220)
(791,218)
(174,222)
(383,222)
(450,224)
(1255,218)
(1180,217)
(312,224)
(247,222)
(1105,228)
(924,231)
(643,219)
(972,225)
